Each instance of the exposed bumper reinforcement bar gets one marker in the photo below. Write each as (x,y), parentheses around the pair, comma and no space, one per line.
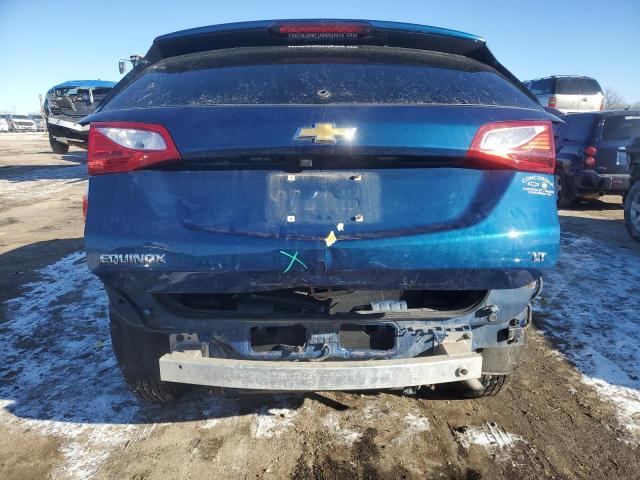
(191,367)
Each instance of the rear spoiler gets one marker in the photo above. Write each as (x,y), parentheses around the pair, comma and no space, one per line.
(266,33)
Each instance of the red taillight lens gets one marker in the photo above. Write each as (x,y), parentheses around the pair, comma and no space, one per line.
(321,29)
(552,102)
(589,162)
(85,205)
(526,146)
(124,146)
(602,104)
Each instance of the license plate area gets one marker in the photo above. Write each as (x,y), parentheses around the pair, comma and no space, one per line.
(323,198)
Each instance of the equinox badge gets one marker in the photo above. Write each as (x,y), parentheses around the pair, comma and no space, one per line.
(133,258)
(325,133)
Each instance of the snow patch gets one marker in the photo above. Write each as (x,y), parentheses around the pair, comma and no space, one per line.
(332,422)
(59,375)
(273,422)
(489,436)
(591,308)
(414,424)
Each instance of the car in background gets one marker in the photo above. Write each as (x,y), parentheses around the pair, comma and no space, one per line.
(4,125)
(37,118)
(591,157)
(65,105)
(568,93)
(302,206)
(632,198)
(21,123)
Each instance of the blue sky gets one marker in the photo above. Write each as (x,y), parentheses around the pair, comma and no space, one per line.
(47,42)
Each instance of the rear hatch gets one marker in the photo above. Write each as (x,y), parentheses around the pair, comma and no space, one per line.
(319,165)
(618,132)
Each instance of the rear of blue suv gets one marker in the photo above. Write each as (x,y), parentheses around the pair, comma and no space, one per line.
(320,205)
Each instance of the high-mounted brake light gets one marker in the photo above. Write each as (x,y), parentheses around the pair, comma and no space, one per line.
(124,146)
(319,30)
(523,145)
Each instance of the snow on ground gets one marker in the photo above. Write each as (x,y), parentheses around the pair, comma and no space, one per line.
(590,306)
(273,422)
(489,436)
(346,435)
(414,425)
(42,182)
(59,376)
(341,424)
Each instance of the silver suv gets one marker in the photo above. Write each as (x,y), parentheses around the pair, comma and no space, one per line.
(568,93)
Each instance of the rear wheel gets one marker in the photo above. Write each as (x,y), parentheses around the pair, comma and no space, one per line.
(564,192)
(491,385)
(138,352)
(58,147)
(632,211)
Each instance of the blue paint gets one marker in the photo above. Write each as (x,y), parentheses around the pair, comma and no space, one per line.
(84,84)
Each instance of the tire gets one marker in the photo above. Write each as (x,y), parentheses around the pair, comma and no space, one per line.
(492,385)
(564,193)
(632,211)
(58,147)
(137,352)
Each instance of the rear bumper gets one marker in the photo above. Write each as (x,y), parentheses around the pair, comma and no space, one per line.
(591,181)
(192,368)
(68,132)
(335,352)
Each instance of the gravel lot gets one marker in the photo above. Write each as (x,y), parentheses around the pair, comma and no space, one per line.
(571,411)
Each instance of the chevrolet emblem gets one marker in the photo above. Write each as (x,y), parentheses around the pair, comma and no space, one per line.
(325,133)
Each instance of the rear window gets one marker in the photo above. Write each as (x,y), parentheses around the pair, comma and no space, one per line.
(621,128)
(542,87)
(318,75)
(568,86)
(577,86)
(588,86)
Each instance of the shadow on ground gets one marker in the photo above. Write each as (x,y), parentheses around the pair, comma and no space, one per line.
(29,173)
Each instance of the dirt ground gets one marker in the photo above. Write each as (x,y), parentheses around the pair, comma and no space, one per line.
(572,410)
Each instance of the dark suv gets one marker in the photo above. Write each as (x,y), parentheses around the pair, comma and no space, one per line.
(591,154)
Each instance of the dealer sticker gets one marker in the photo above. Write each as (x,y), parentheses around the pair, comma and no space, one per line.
(538,185)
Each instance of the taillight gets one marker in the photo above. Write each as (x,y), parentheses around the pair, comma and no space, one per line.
(602,104)
(552,102)
(124,146)
(589,161)
(85,205)
(523,145)
(315,30)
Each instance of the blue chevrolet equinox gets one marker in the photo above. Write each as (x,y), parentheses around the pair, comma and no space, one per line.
(308,205)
